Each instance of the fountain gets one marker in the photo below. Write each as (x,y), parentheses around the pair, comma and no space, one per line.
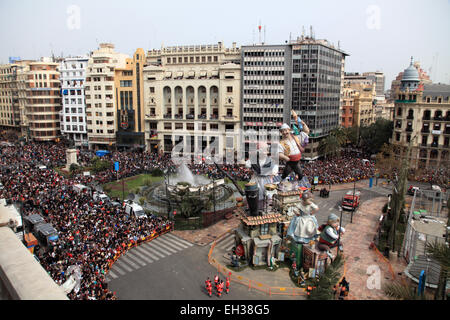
(176,188)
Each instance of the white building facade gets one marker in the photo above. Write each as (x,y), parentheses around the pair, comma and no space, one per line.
(191,96)
(73,114)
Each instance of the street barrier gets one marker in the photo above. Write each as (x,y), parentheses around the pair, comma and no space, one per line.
(133,244)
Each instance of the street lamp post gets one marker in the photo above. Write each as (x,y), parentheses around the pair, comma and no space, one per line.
(339,231)
(353,200)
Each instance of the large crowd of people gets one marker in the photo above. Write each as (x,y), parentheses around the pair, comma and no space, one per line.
(346,168)
(93,234)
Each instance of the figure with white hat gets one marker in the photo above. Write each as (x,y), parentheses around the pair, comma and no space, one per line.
(290,150)
(330,234)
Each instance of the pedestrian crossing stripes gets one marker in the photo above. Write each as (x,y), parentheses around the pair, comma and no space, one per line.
(172,237)
(174,242)
(227,243)
(146,254)
(117,269)
(128,260)
(155,249)
(159,243)
(135,258)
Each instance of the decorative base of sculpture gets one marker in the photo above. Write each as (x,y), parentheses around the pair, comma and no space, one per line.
(71,157)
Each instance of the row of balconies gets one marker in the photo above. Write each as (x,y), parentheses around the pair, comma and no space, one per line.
(434,145)
(192,116)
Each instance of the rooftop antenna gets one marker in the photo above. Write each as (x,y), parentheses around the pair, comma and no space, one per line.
(259,28)
(303,32)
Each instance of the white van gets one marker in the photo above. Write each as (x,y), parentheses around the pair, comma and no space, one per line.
(135,209)
(100,197)
(79,188)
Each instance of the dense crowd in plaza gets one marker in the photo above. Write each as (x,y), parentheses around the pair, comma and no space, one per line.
(93,234)
(345,168)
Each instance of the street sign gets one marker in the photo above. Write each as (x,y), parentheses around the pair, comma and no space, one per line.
(116,166)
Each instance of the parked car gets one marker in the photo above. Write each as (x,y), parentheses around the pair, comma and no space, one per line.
(98,196)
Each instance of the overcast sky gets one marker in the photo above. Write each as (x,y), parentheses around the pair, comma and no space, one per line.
(378,34)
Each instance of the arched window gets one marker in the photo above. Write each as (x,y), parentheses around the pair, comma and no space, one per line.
(410,114)
(438,115)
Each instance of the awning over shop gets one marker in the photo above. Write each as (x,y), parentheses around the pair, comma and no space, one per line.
(101,153)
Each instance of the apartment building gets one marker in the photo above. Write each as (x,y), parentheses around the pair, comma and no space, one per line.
(265,89)
(348,104)
(129,93)
(379,80)
(191,96)
(422,118)
(101,105)
(317,73)
(364,105)
(73,113)
(13,95)
(43,100)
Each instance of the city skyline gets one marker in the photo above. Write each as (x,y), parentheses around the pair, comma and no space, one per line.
(378,35)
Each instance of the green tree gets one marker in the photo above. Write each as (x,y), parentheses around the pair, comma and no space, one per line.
(374,136)
(386,160)
(324,283)
(99,165)
(402,291)
(398,195)
(351,134)
(440,252)
(329,146)
(74,168)
(340,134)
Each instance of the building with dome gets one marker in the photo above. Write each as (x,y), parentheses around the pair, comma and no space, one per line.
(423,76)
(422,117)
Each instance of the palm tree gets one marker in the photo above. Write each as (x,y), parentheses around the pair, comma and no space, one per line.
(437,251)
(440,252)
(340,134)
(402,291)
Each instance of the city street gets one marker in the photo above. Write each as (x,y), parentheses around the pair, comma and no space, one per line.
(172,268)
(179,272)
(331,204)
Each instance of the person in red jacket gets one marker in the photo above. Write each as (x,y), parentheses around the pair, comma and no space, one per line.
(227,284)
(216,280)
(220,288)
(209,287)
